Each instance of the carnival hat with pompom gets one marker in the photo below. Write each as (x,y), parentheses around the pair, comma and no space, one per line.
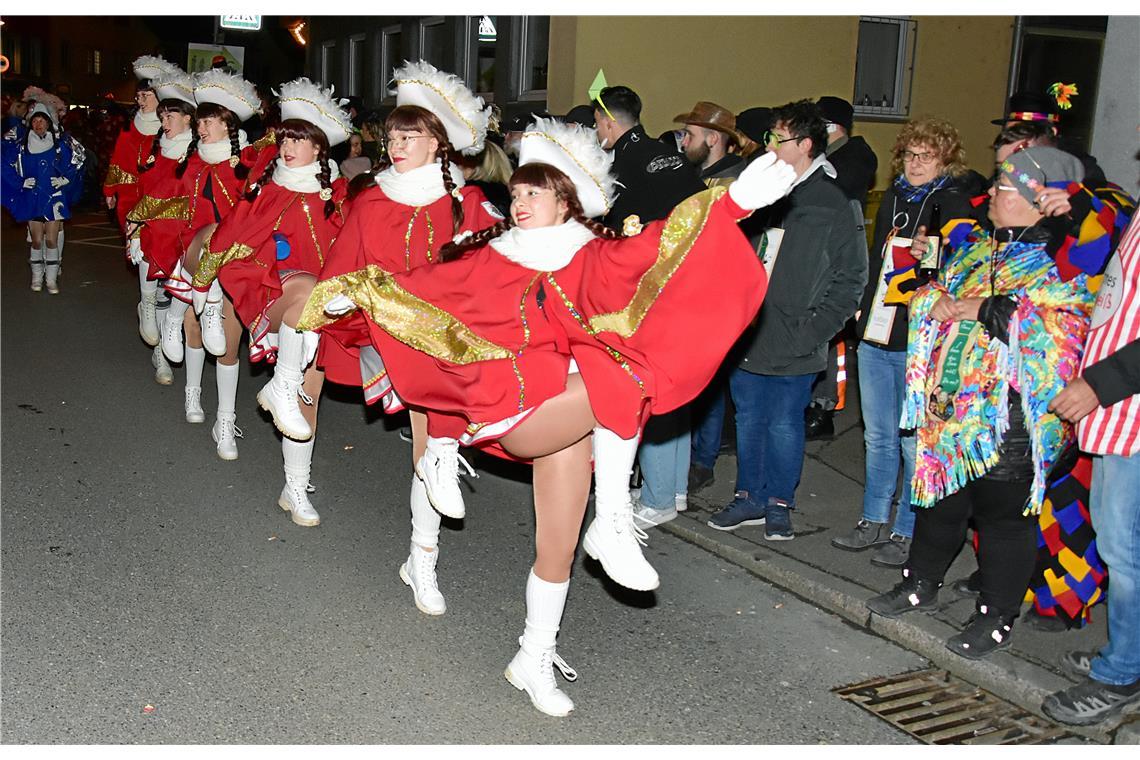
(54,106)
(464,115)
(174,85)
(574,150)
(308,101)
(228,90)
(152,66)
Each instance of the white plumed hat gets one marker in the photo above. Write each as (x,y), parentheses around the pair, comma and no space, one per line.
(176,84)
(305,100)
(151,66)
(228,90)
(464,115)
(574,150)
(55,106)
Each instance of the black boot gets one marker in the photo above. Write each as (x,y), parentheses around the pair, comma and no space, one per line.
(987,631)
(912,593)
(818,425)
(971,586)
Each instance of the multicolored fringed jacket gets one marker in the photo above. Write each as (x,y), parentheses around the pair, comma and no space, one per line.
(958,376)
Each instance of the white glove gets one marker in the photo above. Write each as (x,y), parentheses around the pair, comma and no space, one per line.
(339,305)
(134,251)
(765,181)
(29,183)
(58,182)
(198,300)
(310,341)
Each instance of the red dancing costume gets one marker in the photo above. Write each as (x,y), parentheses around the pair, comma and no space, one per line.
(122,182)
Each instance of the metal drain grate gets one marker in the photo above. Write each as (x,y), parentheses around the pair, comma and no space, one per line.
(938,708)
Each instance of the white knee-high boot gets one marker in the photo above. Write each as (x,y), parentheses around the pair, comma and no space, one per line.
(148,303)
(213,334)
(51,268)
(195,360)
(226,432)
(532,669)
(280,395)
(612,538)
(439,469)
(36,259)
(172,330)
(298,456)
(418,571)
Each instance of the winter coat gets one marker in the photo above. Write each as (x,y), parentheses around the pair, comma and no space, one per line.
(43,201)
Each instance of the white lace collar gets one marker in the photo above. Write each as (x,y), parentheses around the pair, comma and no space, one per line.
(302,179)
(417,187)
(543,249)
(37,144)
(174,147)
(147,123)
(217,152)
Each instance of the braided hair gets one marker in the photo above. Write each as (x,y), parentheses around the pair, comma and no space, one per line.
(227,117)
(299,129)
(165,106)
(538,175)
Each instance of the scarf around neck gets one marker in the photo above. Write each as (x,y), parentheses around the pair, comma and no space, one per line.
(543,249)
(217,152)
(175,147)
(417,187)
(147,123)
(37,144)
(303,179)
(912,194)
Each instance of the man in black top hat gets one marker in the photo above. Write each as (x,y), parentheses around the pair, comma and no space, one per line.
(1035,119)
(654,179)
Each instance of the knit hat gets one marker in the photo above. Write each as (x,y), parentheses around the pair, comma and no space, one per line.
(574,150)
(227,90)
(1033,169)
(302,99)
(837,111)
(464,115)
(754,122)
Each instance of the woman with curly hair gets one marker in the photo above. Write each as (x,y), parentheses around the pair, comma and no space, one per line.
(929,169)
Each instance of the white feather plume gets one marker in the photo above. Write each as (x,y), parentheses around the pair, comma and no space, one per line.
(233,84)
(156,63)
(304,99)
(53,102)
(176,79)
(582,144)
(469,106)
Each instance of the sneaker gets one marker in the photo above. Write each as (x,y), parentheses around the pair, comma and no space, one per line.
(1077,663)
(194,412)
(909,595)
(699,477)
(778,525)
(681,502)
(225,433)
(651,516)
(1089,702)
(894,553)
(742,511)
(818,424)
(985,633)
(418,573)
(163,374)
(865,535)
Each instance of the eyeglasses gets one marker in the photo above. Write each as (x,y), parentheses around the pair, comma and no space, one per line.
(400,142)
(771,138)
(921,158)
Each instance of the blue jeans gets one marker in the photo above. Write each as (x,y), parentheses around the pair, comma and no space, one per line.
(1114,502)
(882,380)
(770,433)
(664,458)
(708,422)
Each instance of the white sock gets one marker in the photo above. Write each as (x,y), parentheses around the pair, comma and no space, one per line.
(178,308)
(36,255)
(613,467)
(51,255)
(148,289)
(227,377)
(544,604)
(298,458)
(425,520)
(195,360)
(440,446)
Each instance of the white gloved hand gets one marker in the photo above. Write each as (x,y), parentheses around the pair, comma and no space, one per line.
(198,300)
(765,181)
(134,251)
(310,340)
(58,182)
(339,305)
(29,183)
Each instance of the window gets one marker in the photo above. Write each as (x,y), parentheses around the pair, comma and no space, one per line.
(96,62)
(329,68)
(355,65)
(433,42)
(884,67)
(482,78)
(534,44)
(35,57)
(391,54)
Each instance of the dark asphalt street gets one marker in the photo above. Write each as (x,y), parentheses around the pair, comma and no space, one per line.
(139,569)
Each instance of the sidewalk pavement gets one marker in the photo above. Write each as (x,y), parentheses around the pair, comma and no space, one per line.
(829,503)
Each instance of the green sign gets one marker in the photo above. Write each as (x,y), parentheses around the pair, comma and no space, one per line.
(244,23)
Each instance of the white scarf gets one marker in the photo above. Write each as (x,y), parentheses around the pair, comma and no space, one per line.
(302,179)
(417,187)
(147,123)
(174,147)
(37,144)
(217,152)
(543,249)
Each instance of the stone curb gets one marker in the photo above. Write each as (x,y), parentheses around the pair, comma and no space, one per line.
(1012,678)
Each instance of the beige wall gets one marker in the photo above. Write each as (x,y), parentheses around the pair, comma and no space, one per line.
(961,67)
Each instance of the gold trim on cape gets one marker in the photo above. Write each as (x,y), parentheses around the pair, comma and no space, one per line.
(149,209)
(116,175)
(214,260)
(681,231)
(407,318)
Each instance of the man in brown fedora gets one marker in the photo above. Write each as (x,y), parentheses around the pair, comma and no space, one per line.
(710,134)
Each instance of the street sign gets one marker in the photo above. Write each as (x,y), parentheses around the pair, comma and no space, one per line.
(244,23)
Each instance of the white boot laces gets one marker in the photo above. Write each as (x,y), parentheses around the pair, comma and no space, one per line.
(425,567)
(547,661)
(228,429)
(623,520)
(448,466)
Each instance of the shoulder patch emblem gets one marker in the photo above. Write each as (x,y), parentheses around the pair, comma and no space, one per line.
(492,210)
(663,163)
